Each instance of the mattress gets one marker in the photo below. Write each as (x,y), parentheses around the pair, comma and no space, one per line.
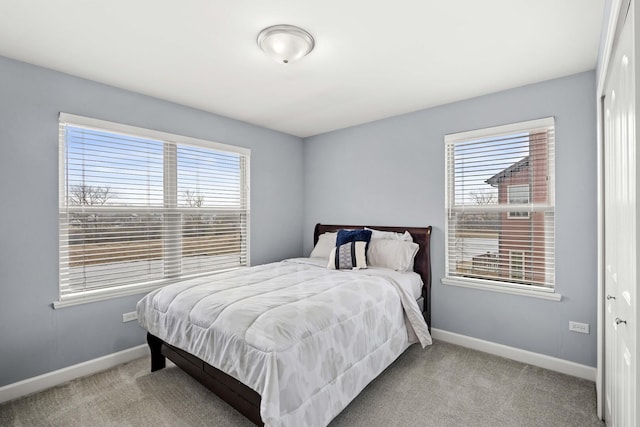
(306,338)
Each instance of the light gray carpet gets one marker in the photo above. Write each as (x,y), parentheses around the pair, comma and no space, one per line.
(443,385)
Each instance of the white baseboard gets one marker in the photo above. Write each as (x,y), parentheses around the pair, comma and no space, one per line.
(51,379)
(524,356)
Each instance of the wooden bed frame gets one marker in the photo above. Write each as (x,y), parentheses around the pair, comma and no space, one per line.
(244,399)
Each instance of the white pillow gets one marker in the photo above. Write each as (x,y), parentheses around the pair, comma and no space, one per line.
(390,235)
(394,254)
(326,242)
(350,255)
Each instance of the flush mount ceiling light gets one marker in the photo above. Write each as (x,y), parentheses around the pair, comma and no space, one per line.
(285,43)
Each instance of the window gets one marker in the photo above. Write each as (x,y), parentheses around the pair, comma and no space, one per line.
(518,195)
(500,208)
(141,208)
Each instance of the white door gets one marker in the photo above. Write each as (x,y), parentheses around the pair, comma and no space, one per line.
(620,228)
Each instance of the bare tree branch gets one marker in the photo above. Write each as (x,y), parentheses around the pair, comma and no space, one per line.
(484,197)
(89,195)
(193,199)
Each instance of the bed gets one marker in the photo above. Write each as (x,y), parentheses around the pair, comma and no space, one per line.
(266,328)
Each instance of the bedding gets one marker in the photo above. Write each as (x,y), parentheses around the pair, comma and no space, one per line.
(394,254)
(409,280)
(348,256)
(306,338)
(351,250)
(383,249)
(326,242)
(390,235)
(345,236)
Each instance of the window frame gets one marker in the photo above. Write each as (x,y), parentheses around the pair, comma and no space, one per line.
(169,140)
(502,286)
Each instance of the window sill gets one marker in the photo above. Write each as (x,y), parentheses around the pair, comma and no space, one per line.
(122,291)
(102,295)
(473,284)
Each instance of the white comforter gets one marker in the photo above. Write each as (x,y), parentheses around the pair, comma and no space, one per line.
(306,338)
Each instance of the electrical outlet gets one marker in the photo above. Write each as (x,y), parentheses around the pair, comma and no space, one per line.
(583,328)
(128,317)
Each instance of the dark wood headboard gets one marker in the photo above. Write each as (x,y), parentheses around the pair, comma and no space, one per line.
(422,263)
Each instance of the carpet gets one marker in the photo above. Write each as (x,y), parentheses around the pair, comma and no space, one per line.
(442,385)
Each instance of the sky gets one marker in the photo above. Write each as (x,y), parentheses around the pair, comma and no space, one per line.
(132,168)
(477,160)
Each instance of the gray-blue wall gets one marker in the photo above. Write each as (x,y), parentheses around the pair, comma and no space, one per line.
(391,172)
(35,338)
(386,172)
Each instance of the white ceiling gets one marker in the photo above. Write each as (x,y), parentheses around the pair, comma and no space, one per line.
(373,59)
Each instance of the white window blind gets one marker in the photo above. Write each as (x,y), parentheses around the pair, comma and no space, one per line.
(500,206)
(141,208)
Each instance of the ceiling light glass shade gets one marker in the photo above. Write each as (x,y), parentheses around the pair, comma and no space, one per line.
(285,43)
